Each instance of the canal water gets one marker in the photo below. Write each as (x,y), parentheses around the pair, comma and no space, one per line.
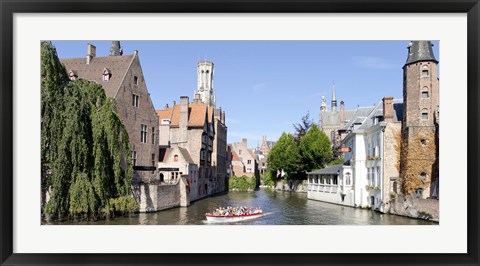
(280,208)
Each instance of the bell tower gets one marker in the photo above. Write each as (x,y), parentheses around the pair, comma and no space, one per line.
(205,83)
(419,153)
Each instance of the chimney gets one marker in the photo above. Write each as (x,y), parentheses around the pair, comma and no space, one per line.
(183,123)
(91,52)
(244,142)
(196,98)
(388,109)
(342,113)
(223,117)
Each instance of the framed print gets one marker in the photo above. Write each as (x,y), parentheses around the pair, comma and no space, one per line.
(135,169)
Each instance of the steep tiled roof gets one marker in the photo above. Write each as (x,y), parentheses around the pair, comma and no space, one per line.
(378,111)
(164,114)
(359,116)
(196,114)
(328,171)
(330,118)
(186,155)
(235,156)
(116,65)
(250,151)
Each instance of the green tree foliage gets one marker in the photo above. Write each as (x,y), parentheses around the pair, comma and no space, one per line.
(285,156)
(315,149)
(267,179)
(53,80)
(85,147)
(302,128)
(242,183)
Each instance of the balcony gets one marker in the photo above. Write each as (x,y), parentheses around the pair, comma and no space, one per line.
(325,188)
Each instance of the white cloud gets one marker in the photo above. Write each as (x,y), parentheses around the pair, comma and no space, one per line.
(372,62)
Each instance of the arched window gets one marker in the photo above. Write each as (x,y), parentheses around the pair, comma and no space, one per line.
(425,71)
(425,92)
(424,114)
(175,158)
(162,177)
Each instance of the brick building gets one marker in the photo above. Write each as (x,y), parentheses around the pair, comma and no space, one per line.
(420,128)
(122,78)
(199,128)
(248,158)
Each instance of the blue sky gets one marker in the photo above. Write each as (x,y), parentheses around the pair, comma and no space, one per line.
(266,86)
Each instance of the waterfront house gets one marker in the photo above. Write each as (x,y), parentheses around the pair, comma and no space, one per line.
(121,77)
(367,178)
(332,184)
(373,144)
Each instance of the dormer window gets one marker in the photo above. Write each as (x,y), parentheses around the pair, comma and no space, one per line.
(165,121)
(72,75)
(106,74)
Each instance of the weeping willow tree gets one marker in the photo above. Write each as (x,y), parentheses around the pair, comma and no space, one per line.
(85,147)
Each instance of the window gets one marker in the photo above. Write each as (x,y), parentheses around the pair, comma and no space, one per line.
(143,134)
(135,80)
(348,179)
(423,175)
(239,152)
(153,135)
(249,161)
(153,162)
(424,142)
(72,75)
(175,158)
(378,176)
(425,94)
(135,100)
(424,115)
(106,75)
(134,157)
(165,121)
(425,71)
(419,193)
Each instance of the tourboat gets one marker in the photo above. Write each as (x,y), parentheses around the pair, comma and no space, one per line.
(215,217)
(232,218)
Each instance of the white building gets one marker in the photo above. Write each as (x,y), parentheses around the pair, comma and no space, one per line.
(372,138)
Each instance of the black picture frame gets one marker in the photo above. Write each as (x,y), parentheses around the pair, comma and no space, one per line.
(10,7)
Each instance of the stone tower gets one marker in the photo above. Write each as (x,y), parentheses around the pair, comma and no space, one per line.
(116,49)
(419,153)
(334,100)
(205,83)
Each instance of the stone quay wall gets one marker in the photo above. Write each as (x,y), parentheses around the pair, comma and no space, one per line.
(415,207)
(294,185)
(156,197)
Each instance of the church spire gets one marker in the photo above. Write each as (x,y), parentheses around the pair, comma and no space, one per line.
(116,49)
(334,99)
(420,51)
